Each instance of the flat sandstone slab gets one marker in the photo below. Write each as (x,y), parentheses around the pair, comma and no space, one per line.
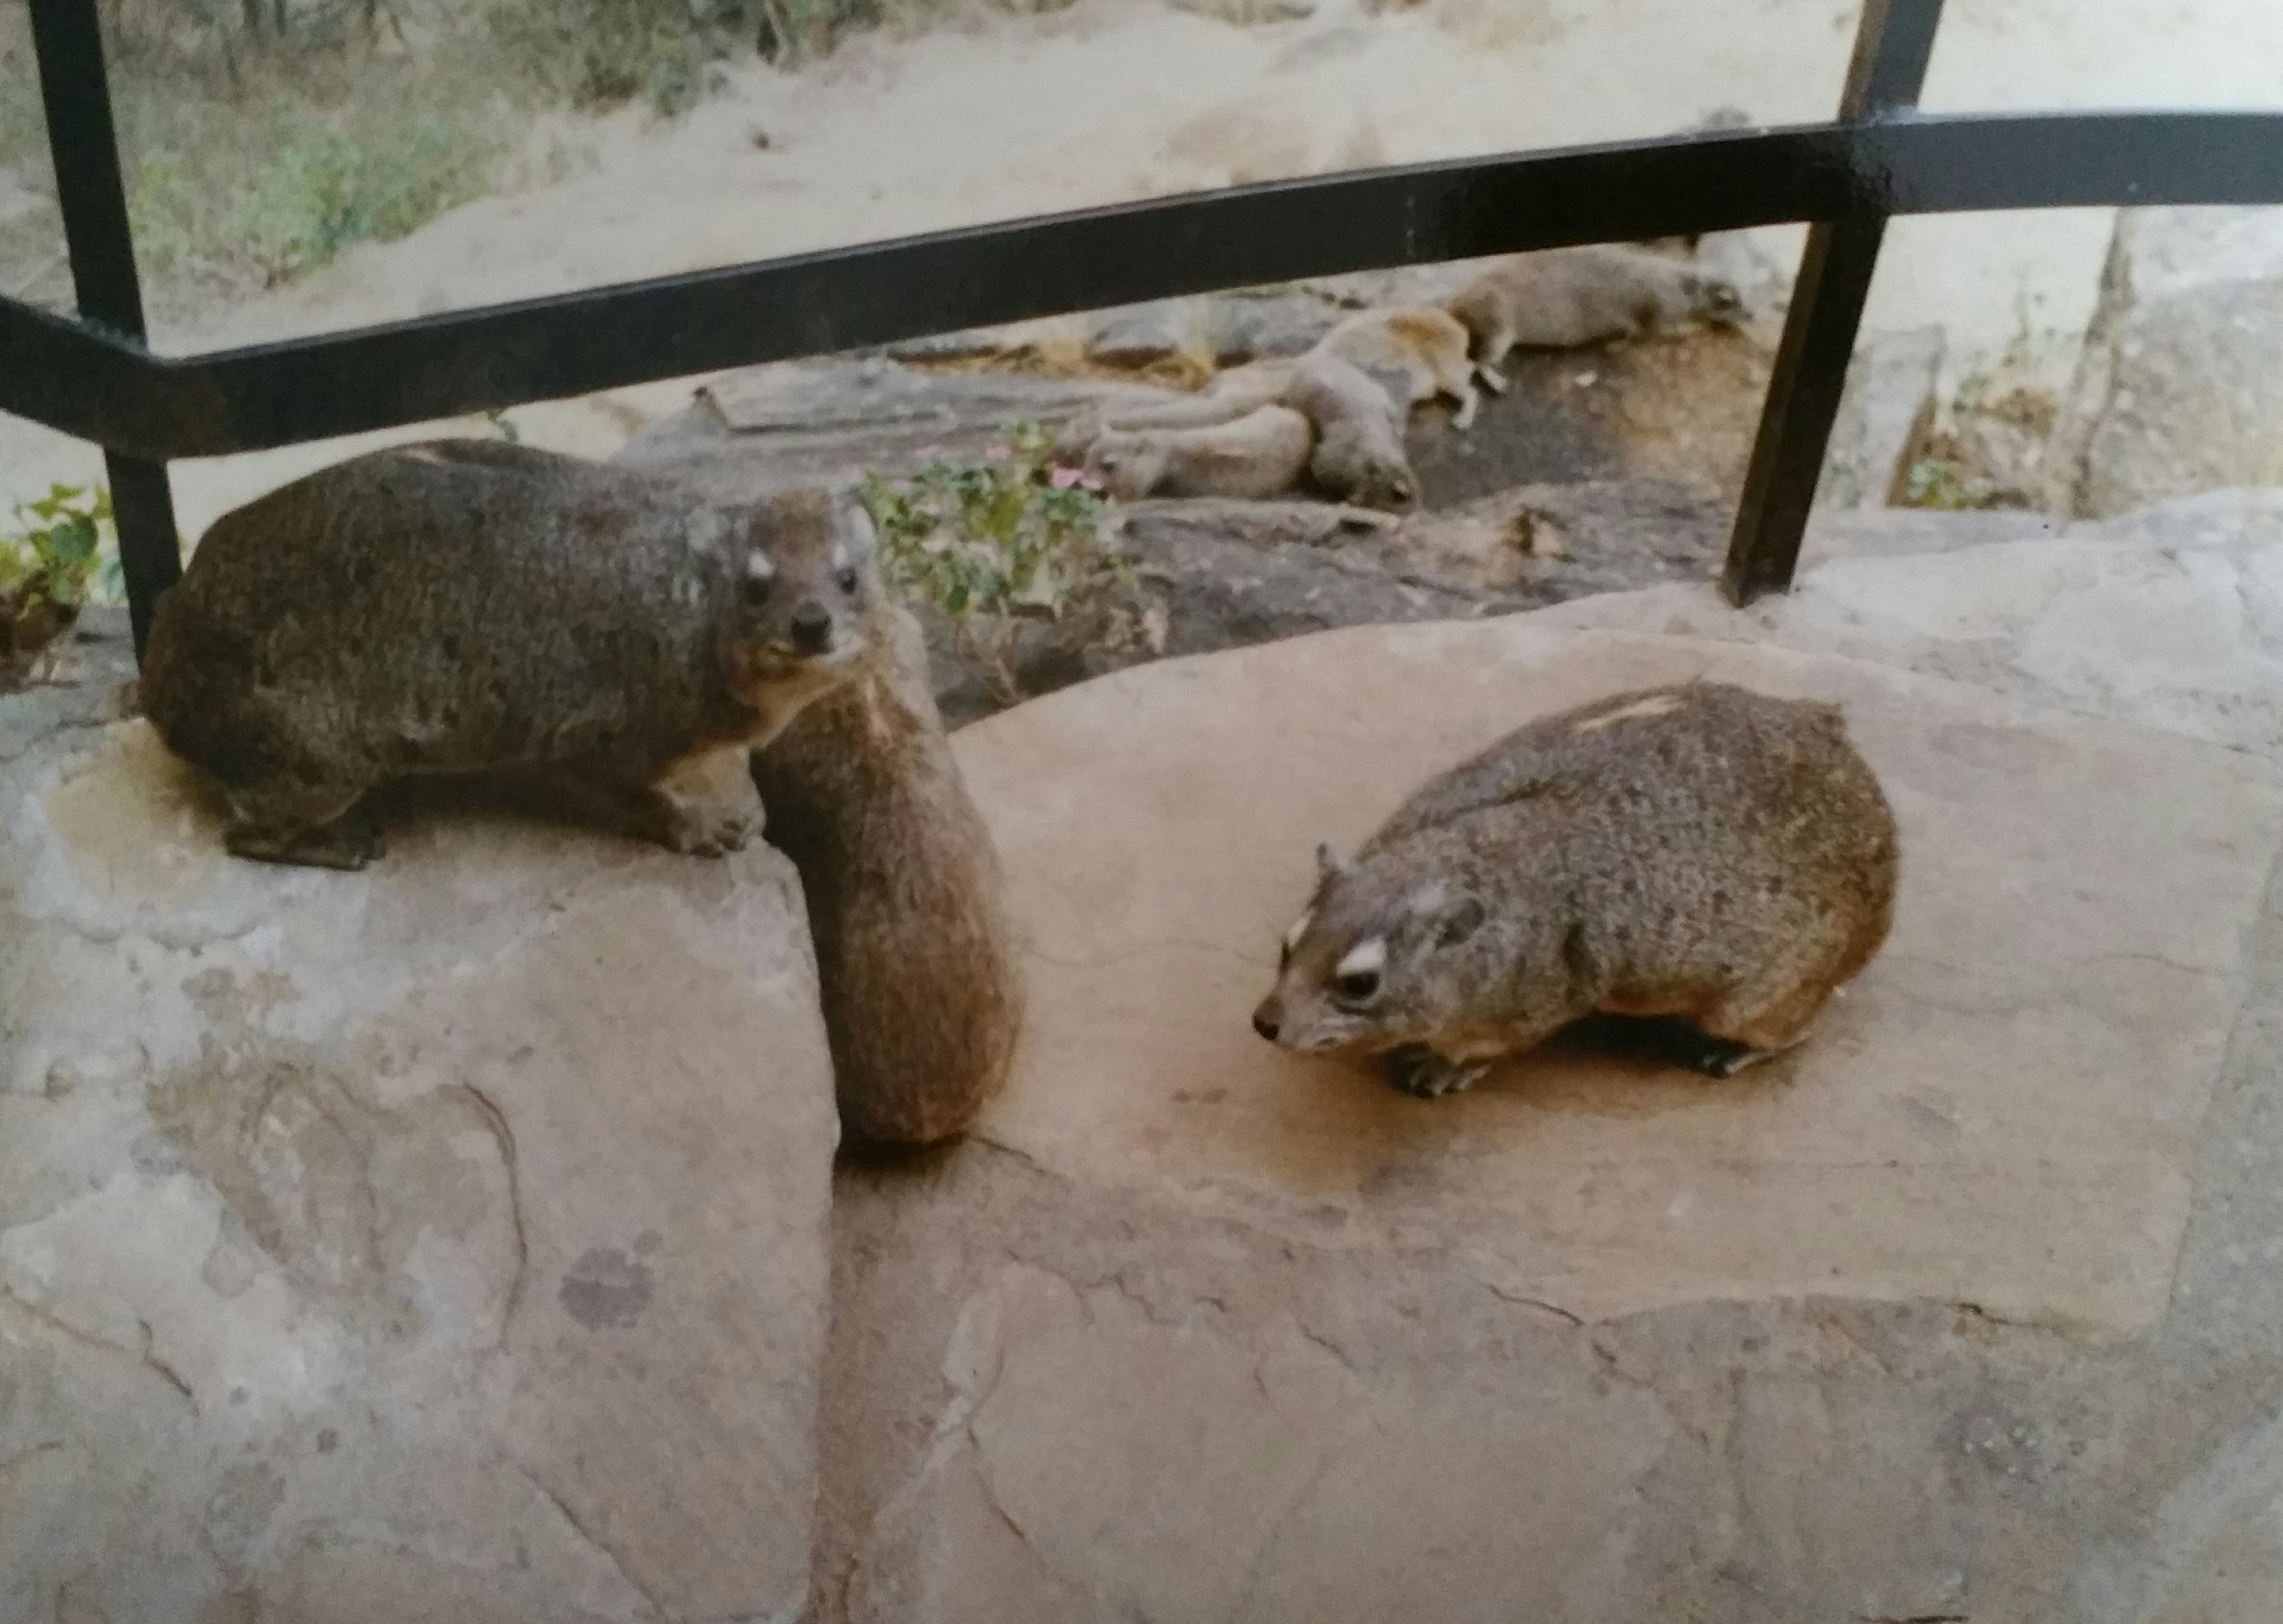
(2001,1111)
(444,1241)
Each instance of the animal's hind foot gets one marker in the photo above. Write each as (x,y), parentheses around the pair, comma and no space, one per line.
(1720,1058)
(1424,1074)
(347,845)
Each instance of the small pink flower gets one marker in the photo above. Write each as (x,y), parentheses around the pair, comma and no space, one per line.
(1065,477)
(999,453)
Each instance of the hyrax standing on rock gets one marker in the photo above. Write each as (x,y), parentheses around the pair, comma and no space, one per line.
(1701,852)
(1562,298)
(913,946)
(477,608)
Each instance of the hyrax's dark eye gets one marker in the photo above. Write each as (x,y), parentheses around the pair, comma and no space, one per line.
(1356,987)
(846,579)
(756,589)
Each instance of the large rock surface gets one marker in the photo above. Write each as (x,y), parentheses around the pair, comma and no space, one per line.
(447,1241)
(1965,1311)
(2181,386)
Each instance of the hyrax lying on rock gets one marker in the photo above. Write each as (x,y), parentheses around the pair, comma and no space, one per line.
(1701,852)
(473,606)
(1562,298)
(1260,454)
(1425,347)
(921,996)
(1358,456)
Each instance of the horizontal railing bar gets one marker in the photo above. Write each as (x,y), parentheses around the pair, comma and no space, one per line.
(102,388)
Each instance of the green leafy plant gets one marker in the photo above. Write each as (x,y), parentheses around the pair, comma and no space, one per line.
(53,560)
(993,543)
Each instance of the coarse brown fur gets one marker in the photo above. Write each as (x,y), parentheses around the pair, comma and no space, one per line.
(1562,298)
(921,1000)
(1698,852)
(1260,454)
(1425,347)
(476,607)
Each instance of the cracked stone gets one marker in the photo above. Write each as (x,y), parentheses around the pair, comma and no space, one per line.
(445,1240)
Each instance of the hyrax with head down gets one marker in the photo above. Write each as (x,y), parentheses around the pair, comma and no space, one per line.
(1700,852)
(463,607)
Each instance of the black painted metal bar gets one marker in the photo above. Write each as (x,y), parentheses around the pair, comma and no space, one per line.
(86,383)
(1892,46)
(67,38)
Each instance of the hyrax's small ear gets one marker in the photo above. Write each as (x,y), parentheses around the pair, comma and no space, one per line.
(1330,863)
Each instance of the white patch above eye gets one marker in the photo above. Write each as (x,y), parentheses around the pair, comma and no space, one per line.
(839,559)
(1365,958)
(759,565)
(1299,929)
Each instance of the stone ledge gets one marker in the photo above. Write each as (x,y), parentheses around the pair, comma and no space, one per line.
(448,1239)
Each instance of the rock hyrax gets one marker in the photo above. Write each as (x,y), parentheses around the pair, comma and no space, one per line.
(477,608)
(1358,456)
(1425,347)
(921,996)
(1562,298)
(1258,455)
(1701,852)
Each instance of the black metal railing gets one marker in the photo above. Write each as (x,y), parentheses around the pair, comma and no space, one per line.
(95,377)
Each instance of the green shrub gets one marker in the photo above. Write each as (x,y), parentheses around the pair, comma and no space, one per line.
(53,559)
(994,543)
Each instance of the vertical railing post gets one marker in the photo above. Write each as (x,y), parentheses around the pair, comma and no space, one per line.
(67,37)
(1892,43)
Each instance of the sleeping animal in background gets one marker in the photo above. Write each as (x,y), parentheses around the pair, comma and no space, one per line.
(1564,297)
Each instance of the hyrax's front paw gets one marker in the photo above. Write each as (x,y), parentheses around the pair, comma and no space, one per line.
(712,832)
(1424,1074)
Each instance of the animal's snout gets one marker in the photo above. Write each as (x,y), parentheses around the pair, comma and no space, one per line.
(1265,1024)
(812,627)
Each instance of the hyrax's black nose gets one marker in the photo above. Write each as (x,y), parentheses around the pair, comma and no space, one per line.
(1263,1025)
(812,627)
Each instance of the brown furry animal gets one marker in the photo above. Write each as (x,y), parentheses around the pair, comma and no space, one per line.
(1258,454)
(921,992)
(1358,457)
(1699,852)
(1564,298)
(478,608)
(1424,347)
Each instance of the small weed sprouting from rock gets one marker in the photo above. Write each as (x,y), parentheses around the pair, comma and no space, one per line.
(994,543)
(53,559)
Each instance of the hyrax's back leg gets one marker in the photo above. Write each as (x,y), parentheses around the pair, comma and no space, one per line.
(1454,375)
(1761,1019)
(310,822)
(1491,350)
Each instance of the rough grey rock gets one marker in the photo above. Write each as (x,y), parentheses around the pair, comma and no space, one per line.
(2180,388)
(1885,415)
(1195,1331)
(1210,575)
(442,1242)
